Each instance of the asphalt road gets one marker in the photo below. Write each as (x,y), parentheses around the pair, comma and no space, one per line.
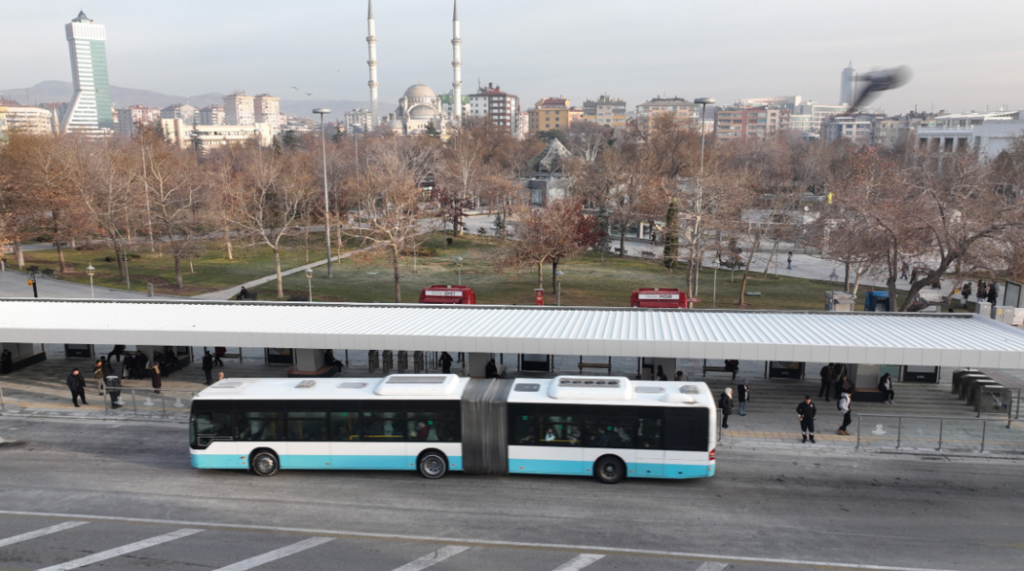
(121,495)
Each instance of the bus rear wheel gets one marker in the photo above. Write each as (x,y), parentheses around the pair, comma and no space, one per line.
(433,465)
(609,470)
(264,464)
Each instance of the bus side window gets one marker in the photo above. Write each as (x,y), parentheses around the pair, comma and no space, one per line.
(307,426)
(560,431)
(686,429)
(383,426)
(433,426)
(648,434)
(345,426)
(261,426)
(523,430)
(210,425)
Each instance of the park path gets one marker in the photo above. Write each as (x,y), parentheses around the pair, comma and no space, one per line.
(233,291)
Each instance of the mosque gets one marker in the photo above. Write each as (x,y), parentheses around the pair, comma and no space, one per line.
(419,106)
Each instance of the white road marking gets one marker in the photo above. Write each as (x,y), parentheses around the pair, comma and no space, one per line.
(40,532)
(579,562)
(124,549)
(478,542)
(433,558)
(277,554)
(712,566)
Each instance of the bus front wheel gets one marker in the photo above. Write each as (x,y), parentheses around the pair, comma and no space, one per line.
(609,470)
(264,464)
(433,465)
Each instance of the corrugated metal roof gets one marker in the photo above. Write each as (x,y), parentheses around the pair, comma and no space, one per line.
(897,339)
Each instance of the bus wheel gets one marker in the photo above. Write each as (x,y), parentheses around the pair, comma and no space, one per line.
(264,464)
(433,465)
(609,470)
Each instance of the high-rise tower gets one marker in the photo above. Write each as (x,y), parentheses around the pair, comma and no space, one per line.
(846,88)
(371,41)
(456,65)
(90,108)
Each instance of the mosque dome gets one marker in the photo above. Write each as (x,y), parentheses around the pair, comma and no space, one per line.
(420,93)
(422,112)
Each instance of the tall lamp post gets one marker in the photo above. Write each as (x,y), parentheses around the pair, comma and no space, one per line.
(714,287)
(92,272)
(309,278)
(558,283)
(703,102)
(458,260)
(327,204)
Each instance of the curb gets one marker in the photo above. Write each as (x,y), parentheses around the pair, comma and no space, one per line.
(164,420)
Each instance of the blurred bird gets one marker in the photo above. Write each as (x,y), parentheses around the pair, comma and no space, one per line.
(877,81)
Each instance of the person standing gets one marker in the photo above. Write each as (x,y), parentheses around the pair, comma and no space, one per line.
(154,377)
(903,270)
(806,411)
(491,370)
(993,293)
(725,403)
(844,407)
(982,291)
(732,366)
(76,384)
(446,362)
(660,375)
(117,352)
(826,373)
(966,292)
(742,396)
(218,355)
(789,261)
(885,387)
(208,367)
(220,377)
(6,362)
(99,373)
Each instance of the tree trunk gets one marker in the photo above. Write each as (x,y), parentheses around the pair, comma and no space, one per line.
(227,240)
(846,277)
(540,275)
(60,256)
(746,273)
(277,269)
(398,279)
(307,243)
(861,270)
(622,241)
(771,256)
(19,254)
(119,254)
(554,276)
(179,282)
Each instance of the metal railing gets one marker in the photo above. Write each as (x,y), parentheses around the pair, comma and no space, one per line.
(942,421)
(147,402)
(994,397)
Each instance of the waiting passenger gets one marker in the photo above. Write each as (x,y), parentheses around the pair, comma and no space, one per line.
(422,431)
(491,371)
(446,362)
(600,440)
(680,376)
(549,436)
(661,374)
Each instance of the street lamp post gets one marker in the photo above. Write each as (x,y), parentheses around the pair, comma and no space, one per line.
(714,288)
(458,260)
(703,102)
(92,272)
(309,278)
(327,204)
(558,282)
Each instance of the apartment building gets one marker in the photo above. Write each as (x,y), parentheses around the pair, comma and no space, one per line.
(267,109)
(182,111)
(498,107)
(743,123)
(357,120)
(27,119)
(807,117)
(605,110)
(206,137)
(857,128)
(212,115)
(130,117)
(682,110)
(551,113)
(988,133)
(239,109)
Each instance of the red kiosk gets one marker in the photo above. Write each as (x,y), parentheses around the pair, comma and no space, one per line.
(457,295)
(654,297)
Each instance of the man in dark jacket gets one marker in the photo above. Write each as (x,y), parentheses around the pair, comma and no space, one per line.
(742,396)
(446,362)
(805,411)
(208,367)
(826,381)
(993,293)
(725,403)
(6,362)
(76,384)
(491,370)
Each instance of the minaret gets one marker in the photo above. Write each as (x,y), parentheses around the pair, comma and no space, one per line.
(371,41)
(456,66)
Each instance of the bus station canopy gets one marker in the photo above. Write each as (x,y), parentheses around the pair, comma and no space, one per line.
(948,340)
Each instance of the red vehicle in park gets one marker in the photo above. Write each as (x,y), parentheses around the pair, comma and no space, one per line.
(655,297)
(457,295)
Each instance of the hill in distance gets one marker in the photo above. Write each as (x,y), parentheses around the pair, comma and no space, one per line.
(61,91)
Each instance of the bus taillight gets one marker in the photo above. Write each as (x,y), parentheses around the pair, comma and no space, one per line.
(711,456)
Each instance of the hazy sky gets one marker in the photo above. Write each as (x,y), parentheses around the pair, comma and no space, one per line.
(964,55)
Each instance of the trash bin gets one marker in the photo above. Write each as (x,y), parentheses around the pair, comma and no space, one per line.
(876,301)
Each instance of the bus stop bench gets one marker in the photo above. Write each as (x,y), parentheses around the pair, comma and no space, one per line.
(867,395)
(606,366)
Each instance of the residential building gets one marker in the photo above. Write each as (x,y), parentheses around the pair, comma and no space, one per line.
(498,107)
(807,117)
(682,110)
(90,110)
(358,120)
(182,111)
(605,110)
(856,128)
(988,133)
(446,104)
(267,109)
(550,114)
(27,119)
(129,118)
(899,131)
(781,101)
(206,137)
(212,115)
(239,109)
(742,123)
(522,126)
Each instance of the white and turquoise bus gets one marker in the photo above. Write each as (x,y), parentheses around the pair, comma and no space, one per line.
(607,427)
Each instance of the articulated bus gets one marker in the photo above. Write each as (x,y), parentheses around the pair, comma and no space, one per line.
(606,427)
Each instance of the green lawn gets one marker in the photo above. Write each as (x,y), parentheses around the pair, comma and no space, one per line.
(212,271)
(587,281)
